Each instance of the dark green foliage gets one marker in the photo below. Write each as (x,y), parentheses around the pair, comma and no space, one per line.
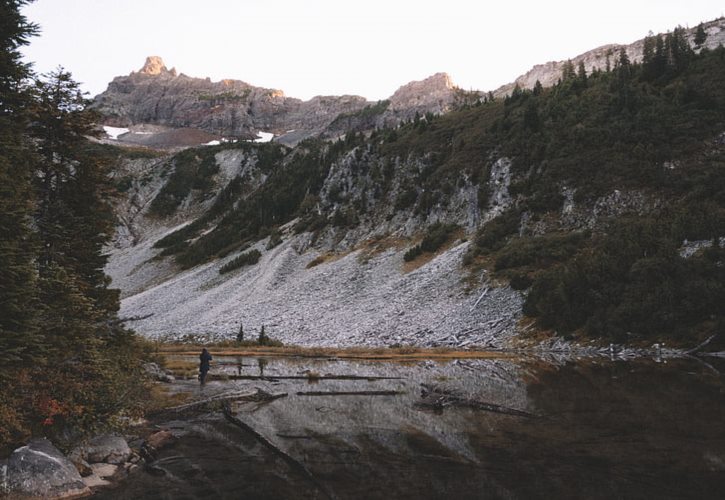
(19,334)
(412,253)
(630,284)
(494,233)
(436,236)
(286,194)
(538,252)
(246,259)
(66,365)
(193,169)
(700,35)
(406,198)
(274,239)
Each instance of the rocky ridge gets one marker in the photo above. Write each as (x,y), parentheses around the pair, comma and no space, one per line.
(156,95)
(549,73)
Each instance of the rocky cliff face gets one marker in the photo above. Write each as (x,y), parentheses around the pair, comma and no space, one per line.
(549,73)
(155,95)
(233,108)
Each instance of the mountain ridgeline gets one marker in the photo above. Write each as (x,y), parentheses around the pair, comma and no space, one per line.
(601,198)
(235,109)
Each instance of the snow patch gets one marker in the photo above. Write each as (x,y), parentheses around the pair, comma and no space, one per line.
(264,136)
(114,132)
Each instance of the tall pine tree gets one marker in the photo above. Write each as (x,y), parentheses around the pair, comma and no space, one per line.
(19,337)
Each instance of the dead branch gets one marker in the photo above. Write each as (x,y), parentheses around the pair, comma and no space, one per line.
(485,291)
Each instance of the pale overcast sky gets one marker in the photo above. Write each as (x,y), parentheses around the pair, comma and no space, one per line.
(325,47)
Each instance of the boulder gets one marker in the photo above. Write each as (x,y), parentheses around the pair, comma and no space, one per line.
(106,448)
(156,442)
(93,481)
(40,470)
(160,439)
(81,465)
(104,470)
(156,373)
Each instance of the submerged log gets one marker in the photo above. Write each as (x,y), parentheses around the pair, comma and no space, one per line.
(436,398)
(349,393)
(700,346)
(215,402)
(214,376)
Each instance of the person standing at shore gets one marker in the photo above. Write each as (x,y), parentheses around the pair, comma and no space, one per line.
(204,364)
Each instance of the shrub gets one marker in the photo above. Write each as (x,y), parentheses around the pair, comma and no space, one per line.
(436,236)
(246,259)
(493,235)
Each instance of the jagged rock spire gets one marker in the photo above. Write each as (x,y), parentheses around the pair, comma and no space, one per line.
(154,65)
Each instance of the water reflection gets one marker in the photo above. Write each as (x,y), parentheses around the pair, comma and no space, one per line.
(607,430)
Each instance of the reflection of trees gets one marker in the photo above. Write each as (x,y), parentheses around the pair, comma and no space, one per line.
(629,429)
(261,363)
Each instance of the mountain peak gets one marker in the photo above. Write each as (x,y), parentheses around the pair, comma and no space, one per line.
(153,66)
(434,93)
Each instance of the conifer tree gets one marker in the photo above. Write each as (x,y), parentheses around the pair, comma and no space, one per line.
(19,338)
(700,35)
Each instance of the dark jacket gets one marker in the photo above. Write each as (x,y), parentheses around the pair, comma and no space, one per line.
(204,359)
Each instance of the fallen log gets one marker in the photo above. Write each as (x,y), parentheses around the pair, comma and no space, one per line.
(213,403)
(349,393)
(700,346)
(293,463)
(221,376)
(436,398)
(485,291)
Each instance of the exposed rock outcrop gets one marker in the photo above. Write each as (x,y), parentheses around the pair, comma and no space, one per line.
(435,94)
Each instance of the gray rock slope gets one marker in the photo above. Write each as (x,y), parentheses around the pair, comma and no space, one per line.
(361,293)
(345,302)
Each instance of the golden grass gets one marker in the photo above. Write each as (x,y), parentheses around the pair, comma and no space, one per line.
(180,368)
(160,397)
(327,257)
(375,246)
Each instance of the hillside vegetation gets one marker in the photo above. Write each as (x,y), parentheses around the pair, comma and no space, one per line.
(652,130)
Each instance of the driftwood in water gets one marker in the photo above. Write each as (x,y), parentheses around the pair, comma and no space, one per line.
(349,393)
(297,377)
(437,398)
(215,402)
(700,346)
(293,463)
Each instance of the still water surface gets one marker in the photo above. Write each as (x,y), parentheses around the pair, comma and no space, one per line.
(591,429)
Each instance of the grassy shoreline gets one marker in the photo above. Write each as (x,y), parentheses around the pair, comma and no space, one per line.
(366,353)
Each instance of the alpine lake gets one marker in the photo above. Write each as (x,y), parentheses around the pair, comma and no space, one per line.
(502,427)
